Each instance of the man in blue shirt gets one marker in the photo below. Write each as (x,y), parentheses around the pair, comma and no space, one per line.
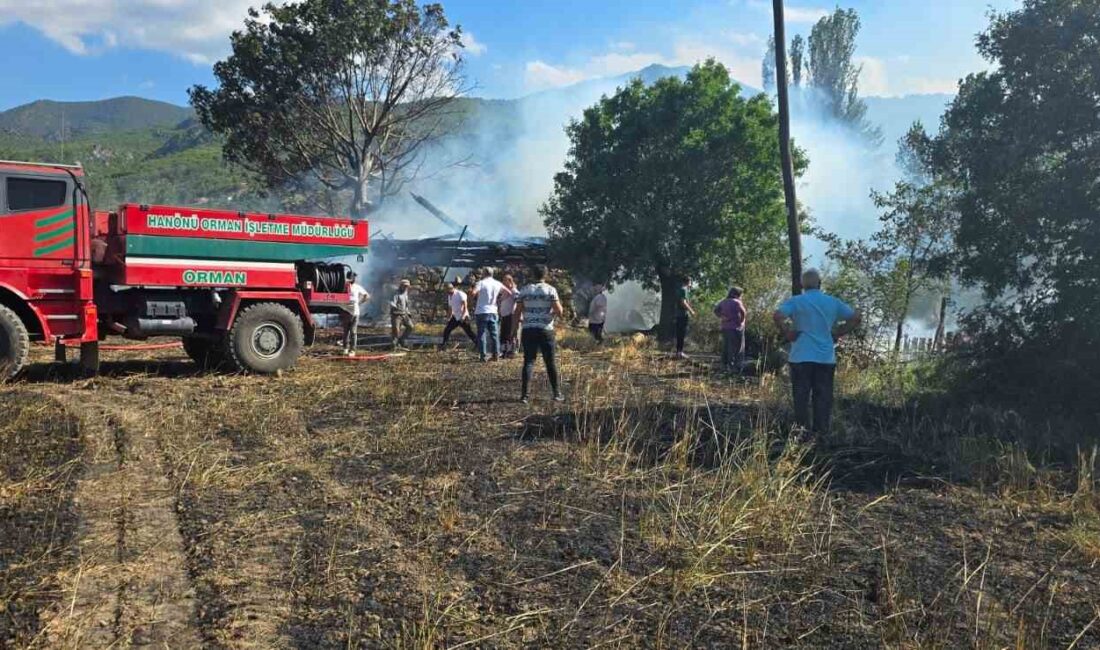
(813,322)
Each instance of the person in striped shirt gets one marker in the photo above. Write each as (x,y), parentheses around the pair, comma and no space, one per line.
(537,306)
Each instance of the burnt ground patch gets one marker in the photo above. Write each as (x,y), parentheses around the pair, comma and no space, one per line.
(39,467)
(650,431)
(414,503)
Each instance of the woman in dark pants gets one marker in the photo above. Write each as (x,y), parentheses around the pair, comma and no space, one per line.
(537,305)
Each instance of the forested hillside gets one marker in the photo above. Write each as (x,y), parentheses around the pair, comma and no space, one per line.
(152,152)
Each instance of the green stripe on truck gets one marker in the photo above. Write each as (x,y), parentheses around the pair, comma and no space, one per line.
(47,235)
(39,252)
(57,218)
(231,249)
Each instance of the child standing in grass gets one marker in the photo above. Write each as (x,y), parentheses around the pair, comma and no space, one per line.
(732,313)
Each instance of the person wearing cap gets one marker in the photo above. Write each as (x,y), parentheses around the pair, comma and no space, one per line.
(349,319)
(812,322)
(401,323)
(460,314)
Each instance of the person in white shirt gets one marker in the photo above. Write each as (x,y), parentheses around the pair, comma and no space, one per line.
(357,297)
(597,312)
(401,323)
(537,305)
(460,314)
(487,291)
(507,306)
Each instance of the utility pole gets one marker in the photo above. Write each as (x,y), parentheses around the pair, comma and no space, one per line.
(794,232)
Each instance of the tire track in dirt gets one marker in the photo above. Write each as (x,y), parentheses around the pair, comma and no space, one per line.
(130,587)
(354,578)
(247,512)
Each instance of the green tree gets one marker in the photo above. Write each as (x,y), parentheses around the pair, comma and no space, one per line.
(911,252)
(833,72)
(1021,146)
(767,66)
(797,56)
(678,178)
(335,96)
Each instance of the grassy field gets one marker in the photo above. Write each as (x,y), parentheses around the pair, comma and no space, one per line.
(415,503)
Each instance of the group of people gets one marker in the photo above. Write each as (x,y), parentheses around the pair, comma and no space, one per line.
(505,314)
(812,322)
(494,315)
(401,323)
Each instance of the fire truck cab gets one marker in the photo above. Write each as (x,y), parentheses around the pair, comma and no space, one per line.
(239,289)
(46,289)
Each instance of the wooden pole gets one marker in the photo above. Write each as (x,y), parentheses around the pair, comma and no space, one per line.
(794,231)
(937,342)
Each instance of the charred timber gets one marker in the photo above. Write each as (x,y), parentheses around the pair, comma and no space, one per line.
(464,254)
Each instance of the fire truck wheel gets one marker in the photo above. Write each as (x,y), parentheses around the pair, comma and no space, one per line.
(265,338)
(208,354)
(14,344)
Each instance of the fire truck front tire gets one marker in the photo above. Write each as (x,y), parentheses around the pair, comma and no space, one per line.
(15,343)
(265,338)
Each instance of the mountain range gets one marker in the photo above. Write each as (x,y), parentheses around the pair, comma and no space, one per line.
(137,149)
(45,118)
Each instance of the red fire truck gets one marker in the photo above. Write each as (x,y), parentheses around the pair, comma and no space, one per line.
(240,289)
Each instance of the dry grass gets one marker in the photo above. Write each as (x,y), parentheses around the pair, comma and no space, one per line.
(415,504)
(39,466)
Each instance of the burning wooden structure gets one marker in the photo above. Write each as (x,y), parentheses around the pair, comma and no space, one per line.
(428,263)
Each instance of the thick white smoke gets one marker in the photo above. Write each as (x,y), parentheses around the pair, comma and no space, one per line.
(498,169)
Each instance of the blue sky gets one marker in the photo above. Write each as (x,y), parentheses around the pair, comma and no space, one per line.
(93,49)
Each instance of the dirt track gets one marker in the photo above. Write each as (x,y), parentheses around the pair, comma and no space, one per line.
(416,503)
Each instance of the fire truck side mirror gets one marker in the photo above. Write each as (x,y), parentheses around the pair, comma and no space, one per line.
(359,258)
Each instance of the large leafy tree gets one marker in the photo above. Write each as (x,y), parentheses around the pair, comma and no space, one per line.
(1021,146)
(678,178)
(335,97)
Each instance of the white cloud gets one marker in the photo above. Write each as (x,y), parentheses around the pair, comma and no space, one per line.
(539,75)
(745,39)
(876,80)
(929,85)
(472,46)
(741,58)
(624,46)
(792,14)
(804,14)
(615,63)
(873,80)
(196,30)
